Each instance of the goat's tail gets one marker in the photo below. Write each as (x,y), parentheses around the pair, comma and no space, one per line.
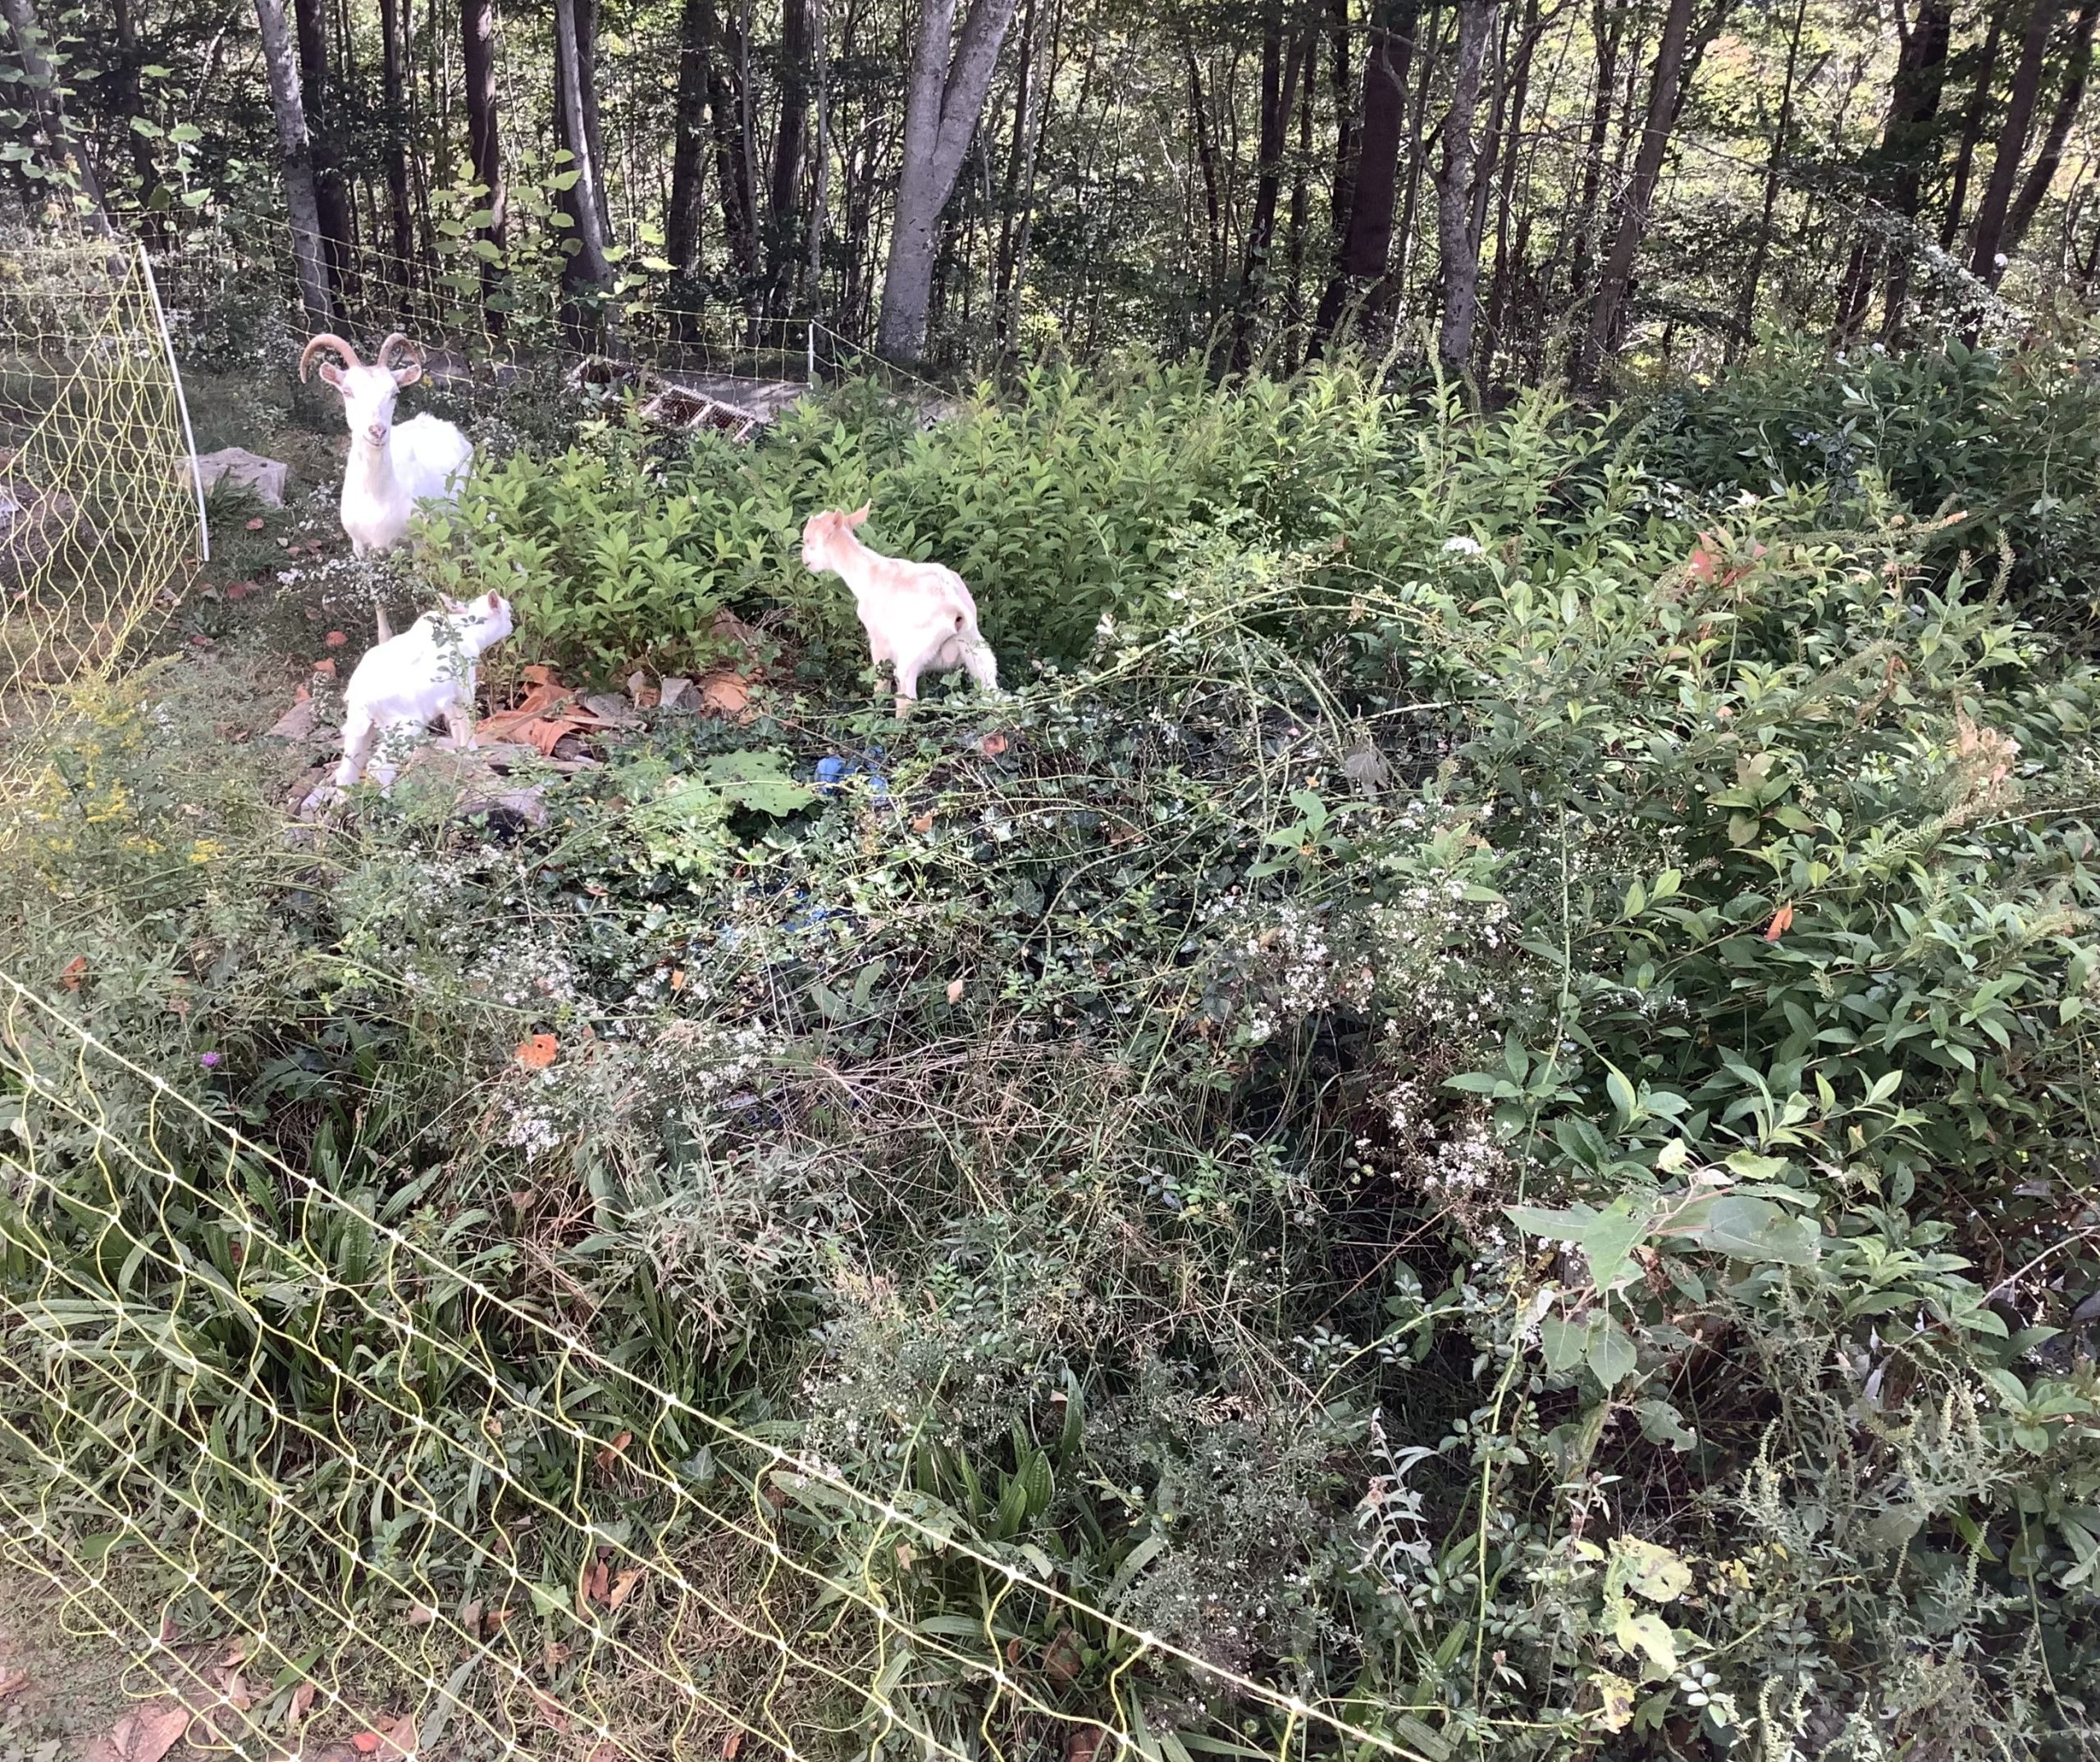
(978,659)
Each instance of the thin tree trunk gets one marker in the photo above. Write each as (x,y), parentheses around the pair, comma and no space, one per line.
(1908,142)
(131,103)
(1607,315)
(1458,241)
(1017,276)
(942,105)
(1367,253)
(1023,115)
(330,190)
(393,111)
(588,265)
(2078,67)
(1512,135)
(294,158)
(1986,259)
(1279,82)
(1206,159)
(820,183)
(727,105)
(788,144)
(484,147)
(1398,276)
(1972,128)
(47,99)
(1301,199)
(1342,196)
(1761,246)
(681,240)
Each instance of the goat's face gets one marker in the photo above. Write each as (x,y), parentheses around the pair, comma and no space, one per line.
(822,532)
(487,616)
(368,389)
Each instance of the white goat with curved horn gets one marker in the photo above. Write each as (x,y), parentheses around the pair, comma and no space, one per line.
(391,467)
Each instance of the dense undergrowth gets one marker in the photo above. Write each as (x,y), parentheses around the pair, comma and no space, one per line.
(1477,1100)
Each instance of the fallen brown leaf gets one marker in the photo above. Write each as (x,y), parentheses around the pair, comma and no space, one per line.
(609,1455)
(255,526)
(13,1683)
(302,1700)
(1061,1662)
(551,1713)
(335,638)
(1782,920)
(547,715)
(923,823)
(596,1581)
(324,669)
(239,590)
(145,1733)
(622,1587)
(677,979)
(535,1051)
(726,694)
(731,1745)
(993,745)
(955,990)
(421,1615)
(1081,1745)
(73,972)
(365,1742)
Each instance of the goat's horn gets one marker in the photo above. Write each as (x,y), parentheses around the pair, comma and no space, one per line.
(398,338)
(327,340)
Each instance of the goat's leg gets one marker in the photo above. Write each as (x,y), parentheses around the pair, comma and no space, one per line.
(459,723)
(360,734)
(982,664)
(907,684)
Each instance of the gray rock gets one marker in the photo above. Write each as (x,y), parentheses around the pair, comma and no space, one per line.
(264,478)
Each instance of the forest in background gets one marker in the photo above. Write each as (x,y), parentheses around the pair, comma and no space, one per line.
(1536,190)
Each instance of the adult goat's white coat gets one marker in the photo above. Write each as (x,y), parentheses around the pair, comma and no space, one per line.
(917,615)
(392,466)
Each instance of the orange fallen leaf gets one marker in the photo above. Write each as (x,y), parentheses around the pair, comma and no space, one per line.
(609,1454)
(302,1699)
(1014,1650)
(13,1683)
(255,526)
(726,694)
(420,1615)
(924,822)
(365,1742)
(1782,920)
(535,1051)
(677,979)
(73,972)
(324,669)
(955,990)
(145,1733)
(993,745)
(335,639)
(399,1738)
(596,1581)
(541,718)
(622,1587)
(239,590)
(731,1745)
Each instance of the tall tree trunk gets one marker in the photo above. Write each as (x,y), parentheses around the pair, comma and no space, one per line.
(295,159)
(728,103)
(1607,30)
(788,142)
(942,103)
(1512,135)
(484,147)
(1279,82)
(1907,142)
(681,240)
(1301,199)
(1207,160)
(1608,314)
(394,114)
(131,103)
(1025,75)
(331,192)
(587,267)
(1986,260)
(47,99)
(1403,251)
(1458,240)
(2078,67)
(1775,163)
(1972,118)
(1342,195)
(820,181)
(1367,250)
(1045,91)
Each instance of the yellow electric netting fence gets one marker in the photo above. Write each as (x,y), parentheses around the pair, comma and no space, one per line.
(308,1469)
(100,519)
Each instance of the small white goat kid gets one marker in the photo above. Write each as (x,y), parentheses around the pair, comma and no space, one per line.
(391,467)
(404,684)
(917,615)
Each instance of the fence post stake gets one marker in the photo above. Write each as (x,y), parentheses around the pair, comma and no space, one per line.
(809,335)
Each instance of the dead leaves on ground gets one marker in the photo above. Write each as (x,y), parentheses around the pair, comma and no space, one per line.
(546,715)
(145,1733)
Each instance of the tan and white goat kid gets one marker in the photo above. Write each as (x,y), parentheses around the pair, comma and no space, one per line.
(917,615)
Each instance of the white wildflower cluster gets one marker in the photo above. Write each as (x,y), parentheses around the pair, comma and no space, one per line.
(1279,959)
(1391,1518)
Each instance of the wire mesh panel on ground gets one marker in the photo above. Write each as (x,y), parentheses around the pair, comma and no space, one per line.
(99,518)
(304,1463)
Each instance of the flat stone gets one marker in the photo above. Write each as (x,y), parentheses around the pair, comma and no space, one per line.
(264,478)
(674,693)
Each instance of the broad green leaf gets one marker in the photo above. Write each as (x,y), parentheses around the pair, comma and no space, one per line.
(1606,1239)
(1564,1342)
(1649,1635)
(1649,1568)
(1611,1355)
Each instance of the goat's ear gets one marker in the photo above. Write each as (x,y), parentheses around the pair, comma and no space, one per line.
(495,600)
(410,374)
(332,374)
(859,514)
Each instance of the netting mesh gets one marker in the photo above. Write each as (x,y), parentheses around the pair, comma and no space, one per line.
(300,1465)
(100,519)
